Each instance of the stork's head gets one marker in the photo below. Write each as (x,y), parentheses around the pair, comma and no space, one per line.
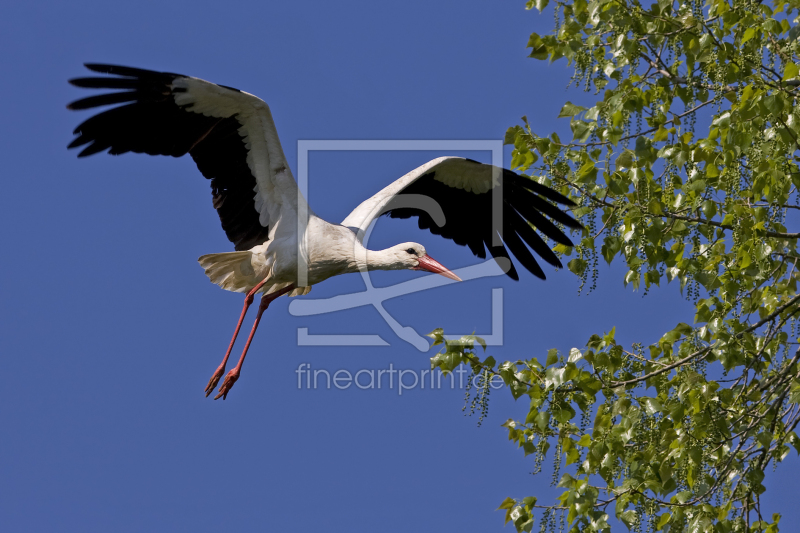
(412,256)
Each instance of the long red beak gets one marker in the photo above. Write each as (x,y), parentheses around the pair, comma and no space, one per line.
(430,264)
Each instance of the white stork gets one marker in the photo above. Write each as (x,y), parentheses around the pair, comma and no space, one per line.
(231,136)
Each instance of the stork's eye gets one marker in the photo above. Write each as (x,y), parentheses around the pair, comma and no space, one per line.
(411,251)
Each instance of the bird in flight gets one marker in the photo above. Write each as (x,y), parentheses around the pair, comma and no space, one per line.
(281,246)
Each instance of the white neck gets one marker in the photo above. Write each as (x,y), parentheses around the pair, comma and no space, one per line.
(378,260)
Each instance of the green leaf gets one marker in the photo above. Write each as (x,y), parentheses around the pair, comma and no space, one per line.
(661,134)
(575,355)
(655,207)
(629,518)
(529,501)
(794,441)
(482,342)
(790,71)
(651,405)
(555,377)
(643,146)
(517,389)
(577,266)
(512,133)
(581,131)
(437,335)
(570,110)
(508,503)
(773,104)
(744,259)
(566,481)
(625,160)
(552,357)
(543,420)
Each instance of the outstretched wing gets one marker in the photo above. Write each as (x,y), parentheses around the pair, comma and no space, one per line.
(229,133)
(454,197)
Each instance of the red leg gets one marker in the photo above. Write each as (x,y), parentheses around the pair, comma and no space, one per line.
(233,375)
(212,383)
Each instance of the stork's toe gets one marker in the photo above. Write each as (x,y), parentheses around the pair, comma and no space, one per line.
(212,383)
(230,379)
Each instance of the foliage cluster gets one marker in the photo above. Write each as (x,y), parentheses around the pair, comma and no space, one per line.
(686,169)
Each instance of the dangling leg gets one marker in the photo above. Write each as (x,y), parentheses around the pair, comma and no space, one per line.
(233,375)
(212,384)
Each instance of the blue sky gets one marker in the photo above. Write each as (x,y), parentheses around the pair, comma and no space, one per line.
(109,330)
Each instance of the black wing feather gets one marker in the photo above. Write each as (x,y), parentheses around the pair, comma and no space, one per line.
(104,99)
(152,123)
(528,206)
(529,236)
(501,252)
(131,72)
(522,254)
(468,218)
(107,83)
(538,188)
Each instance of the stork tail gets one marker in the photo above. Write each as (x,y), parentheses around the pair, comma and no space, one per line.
(235,271)
(241,271)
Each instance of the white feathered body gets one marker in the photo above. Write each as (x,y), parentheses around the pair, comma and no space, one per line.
(327,250)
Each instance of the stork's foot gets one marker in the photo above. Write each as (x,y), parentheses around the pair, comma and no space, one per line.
(230,379)
(212,383)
